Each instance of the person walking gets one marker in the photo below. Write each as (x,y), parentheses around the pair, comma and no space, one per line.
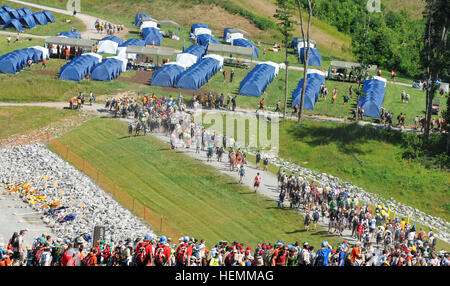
(231,75)
(225,73)
(241,174)
(9,40)
(257,182)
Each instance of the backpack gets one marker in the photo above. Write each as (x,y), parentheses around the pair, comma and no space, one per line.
(388,239)
(140,253)
(242,172)
(181,254)
(316,215)
(268,255)
(87,261)
(229,260)
(37,256)
(160,258)
(320,259)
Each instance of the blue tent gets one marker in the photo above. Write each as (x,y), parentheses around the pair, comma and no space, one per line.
(225,33)
(27,11)
(14,62)
(246,43)
(108,70)
(372,102)
(198,25)
(152,36)
(4,17)
(15,24)
(14,14)
(49,16)
(133,42)
(78,68)
(6,8)
(27,21)
(295,42)
(21,13)
(199,74)
(114,39)
(196,50)
(257,80)
(312,90)
(206,39)
(139,17)
(70,34)
(315,59)
(40,18)
(167,75)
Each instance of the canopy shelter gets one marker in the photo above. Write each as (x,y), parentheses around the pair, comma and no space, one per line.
(246,43)
(151,23)
(88,45)
(206,39)
(40,18)
(15,61)
(78,68)
(27,21)
(107,70)
(257,80)
(315,59)
(374,90)
(14,23)
(114,39)
(314,80)
(228,49)
(167,75)
(350,65)
(152,36)
(107,47)
(191,55)
(340,70)
(49,15)
(4,17)
(200,73)
(70,34)
(170,22)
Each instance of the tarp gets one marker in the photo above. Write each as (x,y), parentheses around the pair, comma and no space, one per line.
(107,47)
(4,17)
(139,17)
(108,70)
(40,18)
(314,79)
(201,31)
(198,25)
(205,40)
(315,59)
(133,42)
(70,34)
(27,21)
(49,16)
(199,74)
(246,43)
(167,75)
(78,68)
(257,80)
(15,61)
(114,39)
(375,89)
(152,36)
(14,23)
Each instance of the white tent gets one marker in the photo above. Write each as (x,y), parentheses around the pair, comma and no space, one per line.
(123,60)
(176,63)
(275,65)
(107,47)
(186,59)
(216,57)
(94,55)
(232,36)
(44,51)
(149,24)
(300,45)
(201,31)
(122,53)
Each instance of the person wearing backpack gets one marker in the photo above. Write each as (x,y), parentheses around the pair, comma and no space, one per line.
(183,253)
(241,174)
(144,252)
(90,259)
(316,216)
(162,253)
(258,159)
(323,254)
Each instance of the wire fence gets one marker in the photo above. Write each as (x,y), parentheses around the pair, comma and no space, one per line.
(157,222)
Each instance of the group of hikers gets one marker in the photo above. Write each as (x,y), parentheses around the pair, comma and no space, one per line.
(109,28)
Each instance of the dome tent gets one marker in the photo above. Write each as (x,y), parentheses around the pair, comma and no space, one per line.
(70,34)
(107,47)
(14,23)
(40,18)
(15,61)
(313,81)
(257,80)
(133,42)
(374,89)
(4,18)
(206,39)
(315,59)
(191,55)
(49,16)
(167,75)
(199,74)
(152,36)
(28,21)
(78,68)
(241,42)
(108,70)
(114,39)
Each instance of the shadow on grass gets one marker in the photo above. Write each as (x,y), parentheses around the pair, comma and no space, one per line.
(295,231)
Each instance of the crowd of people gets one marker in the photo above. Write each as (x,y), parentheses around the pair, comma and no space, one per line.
(109,28)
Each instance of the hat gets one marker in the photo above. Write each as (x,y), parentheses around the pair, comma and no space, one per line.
(186,238)
(341,246)
(305,244)
(148,237)
(324,244)
(162,239)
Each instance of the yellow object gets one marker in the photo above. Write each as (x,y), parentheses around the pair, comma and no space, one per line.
(389,212)
(407,221)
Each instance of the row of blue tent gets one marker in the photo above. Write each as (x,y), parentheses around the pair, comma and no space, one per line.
(168,74)
(372,101)
(78,68)
(314,80)
(199,74)
(203,39)
(14,62)
(152,36)
(107,70)
(241,42)
(70,34)
(24,18)
(257,80)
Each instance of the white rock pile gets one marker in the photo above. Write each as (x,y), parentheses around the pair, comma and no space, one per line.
(57,180)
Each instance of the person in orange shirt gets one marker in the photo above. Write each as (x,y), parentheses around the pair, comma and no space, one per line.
(356,256)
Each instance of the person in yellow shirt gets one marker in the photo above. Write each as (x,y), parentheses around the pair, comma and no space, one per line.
(403,223)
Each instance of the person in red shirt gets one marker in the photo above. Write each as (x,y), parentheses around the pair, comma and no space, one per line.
(183,253)
(257,182)
(162,253)
(144,252)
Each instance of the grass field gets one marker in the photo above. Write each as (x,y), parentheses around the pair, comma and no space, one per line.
(192,197)
(20,120)
(62,23)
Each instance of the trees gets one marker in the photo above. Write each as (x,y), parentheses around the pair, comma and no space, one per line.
(286,25)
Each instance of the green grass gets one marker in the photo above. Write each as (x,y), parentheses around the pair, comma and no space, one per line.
(62,23)
(24,42)
(19,120)
(200,203)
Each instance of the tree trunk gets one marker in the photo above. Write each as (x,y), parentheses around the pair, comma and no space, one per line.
(286,84)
